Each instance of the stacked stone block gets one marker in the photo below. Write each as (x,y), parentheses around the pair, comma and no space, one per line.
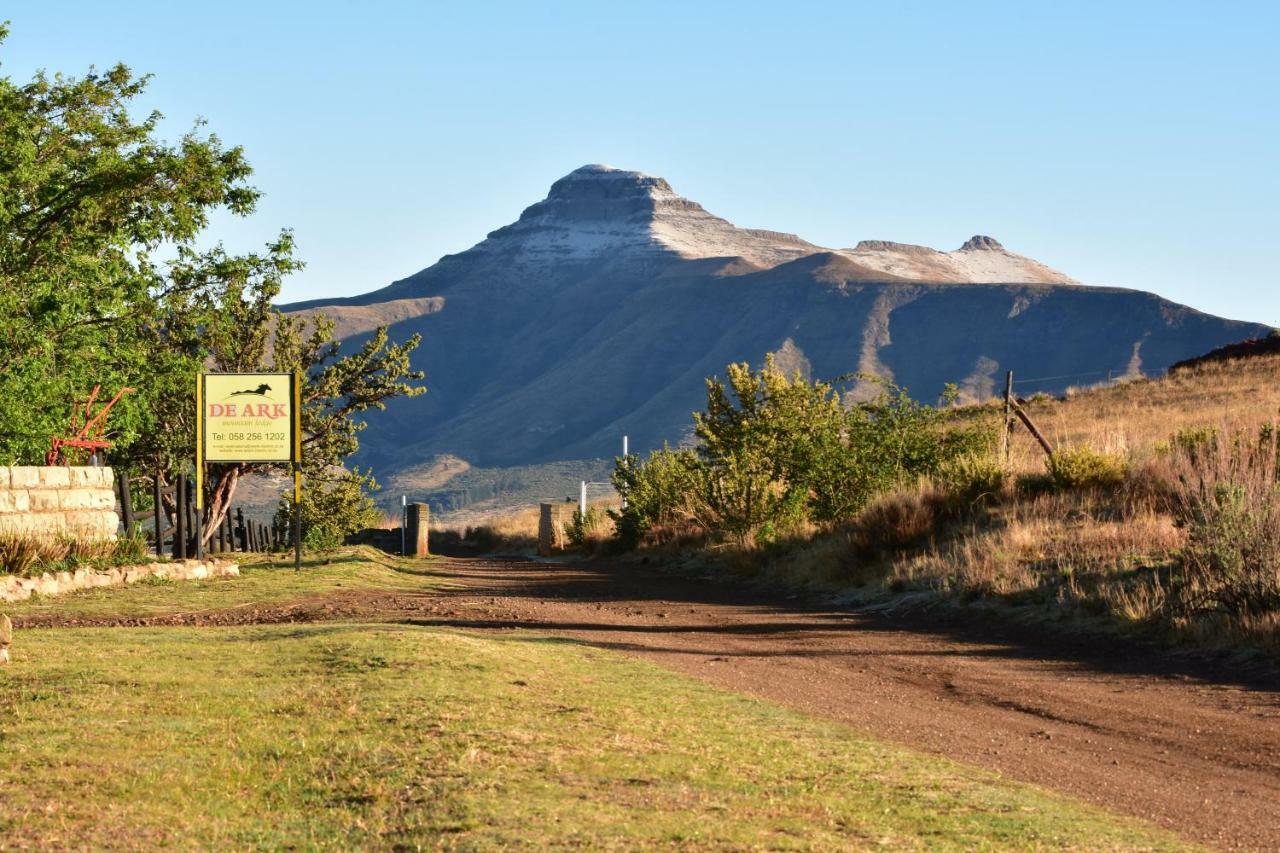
(75,502)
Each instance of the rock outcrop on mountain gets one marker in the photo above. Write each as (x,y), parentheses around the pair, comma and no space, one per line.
(602,308)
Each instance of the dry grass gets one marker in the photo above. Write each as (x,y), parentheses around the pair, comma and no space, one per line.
(1134,415)
(1151,516)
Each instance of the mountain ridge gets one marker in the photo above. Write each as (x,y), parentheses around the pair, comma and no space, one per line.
(602,308)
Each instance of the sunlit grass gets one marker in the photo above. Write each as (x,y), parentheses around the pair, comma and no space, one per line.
(341,735)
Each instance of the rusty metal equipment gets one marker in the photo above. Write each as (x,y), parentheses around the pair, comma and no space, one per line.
(89,435)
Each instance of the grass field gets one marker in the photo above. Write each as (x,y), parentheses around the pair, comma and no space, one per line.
(392,735)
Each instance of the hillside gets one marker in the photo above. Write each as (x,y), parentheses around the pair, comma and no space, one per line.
(601,310)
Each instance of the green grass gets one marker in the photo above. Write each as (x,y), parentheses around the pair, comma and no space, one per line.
(341,735)
(263,580)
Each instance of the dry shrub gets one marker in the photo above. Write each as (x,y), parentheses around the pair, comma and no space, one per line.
(20,553)
(1229,502)
(87,550)
(1085,468)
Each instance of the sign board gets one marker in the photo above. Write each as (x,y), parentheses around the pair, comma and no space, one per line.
(247,417)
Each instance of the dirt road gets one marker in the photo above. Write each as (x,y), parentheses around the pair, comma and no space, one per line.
(1134,731)
(1184,744)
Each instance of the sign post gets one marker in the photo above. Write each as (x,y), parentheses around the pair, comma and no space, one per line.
(252,417)
(199,475)
(297,472)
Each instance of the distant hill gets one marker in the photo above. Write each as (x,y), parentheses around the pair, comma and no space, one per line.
(602,308)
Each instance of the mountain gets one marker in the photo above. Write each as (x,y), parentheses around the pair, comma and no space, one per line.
(602,308)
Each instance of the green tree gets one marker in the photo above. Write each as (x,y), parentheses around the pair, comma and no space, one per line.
(88,198)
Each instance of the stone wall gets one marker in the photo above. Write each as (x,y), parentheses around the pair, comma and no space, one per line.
(15,588)
(77,502)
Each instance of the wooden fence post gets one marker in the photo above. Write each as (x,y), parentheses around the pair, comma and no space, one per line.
(126,501)
(1008,414)
(1026,419)
(180,514)
(158,512)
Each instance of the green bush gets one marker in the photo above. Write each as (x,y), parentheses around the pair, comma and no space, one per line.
(973,477)
(581,529)
(334,505)
(130,548)
(777,452)
(1085,468)
(658,491)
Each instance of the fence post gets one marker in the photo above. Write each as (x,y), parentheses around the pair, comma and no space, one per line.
(158,512)
(550,530)
(180,517)
(1009,414)
(418,529)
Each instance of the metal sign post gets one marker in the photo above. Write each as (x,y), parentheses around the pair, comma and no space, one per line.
(296,380)
(199,474)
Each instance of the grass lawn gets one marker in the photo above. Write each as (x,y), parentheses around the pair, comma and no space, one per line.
(384,735)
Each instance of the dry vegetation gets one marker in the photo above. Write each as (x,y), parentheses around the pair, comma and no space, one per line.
(515,531)
(1158,513)
(1142,413)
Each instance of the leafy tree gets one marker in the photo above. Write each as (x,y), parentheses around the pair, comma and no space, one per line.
(659,491)
(88,197)
(225,303)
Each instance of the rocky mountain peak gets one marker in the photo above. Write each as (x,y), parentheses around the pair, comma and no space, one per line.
(598,210)
(980,243)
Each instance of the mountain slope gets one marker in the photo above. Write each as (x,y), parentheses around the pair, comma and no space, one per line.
(602,308)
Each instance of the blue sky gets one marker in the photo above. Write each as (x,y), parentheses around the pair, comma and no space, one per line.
(1131,144)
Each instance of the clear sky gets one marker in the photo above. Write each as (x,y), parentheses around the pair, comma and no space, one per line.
(1132,144)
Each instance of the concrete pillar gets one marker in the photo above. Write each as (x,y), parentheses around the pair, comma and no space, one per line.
(418,517)
(550,529)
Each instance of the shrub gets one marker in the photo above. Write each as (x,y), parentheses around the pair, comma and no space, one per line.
(18,552)
(895,522)
(587,530)
(335,504)
(658,491)
(973,478)
(1085,468)
(779,453)
(1229,502)
(130,548)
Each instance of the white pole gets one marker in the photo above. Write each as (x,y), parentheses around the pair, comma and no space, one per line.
(582,500)
(624,462)
(404,522)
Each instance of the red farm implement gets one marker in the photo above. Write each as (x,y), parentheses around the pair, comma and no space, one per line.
(86,436)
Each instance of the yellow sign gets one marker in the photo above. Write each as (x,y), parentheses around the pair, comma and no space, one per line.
(247,417)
